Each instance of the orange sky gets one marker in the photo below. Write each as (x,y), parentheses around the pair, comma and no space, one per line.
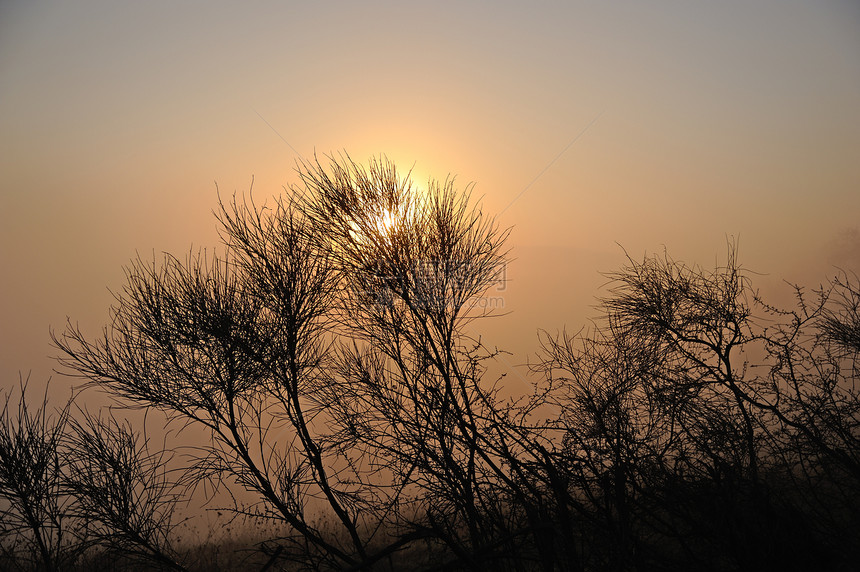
(737,118)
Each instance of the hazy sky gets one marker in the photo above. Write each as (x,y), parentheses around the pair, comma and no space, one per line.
(696,121)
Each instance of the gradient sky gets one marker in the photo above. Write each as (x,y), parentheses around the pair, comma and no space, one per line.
(695,122)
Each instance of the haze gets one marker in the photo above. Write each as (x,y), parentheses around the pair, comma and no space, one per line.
(585,125)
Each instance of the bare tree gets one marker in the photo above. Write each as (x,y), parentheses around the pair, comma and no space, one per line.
(408,389)
(205,343)
(331,356)
(698,419)
(123,491)
(36,526)
(840,318)
(261,347)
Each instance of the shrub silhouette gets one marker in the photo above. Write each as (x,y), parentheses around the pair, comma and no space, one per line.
(326,355)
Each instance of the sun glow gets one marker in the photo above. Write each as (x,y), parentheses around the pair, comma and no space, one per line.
(379,225)
(375,228)
(386,222)
(389,212)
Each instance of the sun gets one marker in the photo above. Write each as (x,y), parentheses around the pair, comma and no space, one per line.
(386,223)
(374,228)
(382,220)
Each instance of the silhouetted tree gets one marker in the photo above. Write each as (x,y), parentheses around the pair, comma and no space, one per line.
(840,319)
(36,526)
(330,355)
(407,389)
(684,451)
(253,347)
(123,491)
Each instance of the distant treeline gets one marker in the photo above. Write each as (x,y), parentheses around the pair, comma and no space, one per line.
(326,354)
